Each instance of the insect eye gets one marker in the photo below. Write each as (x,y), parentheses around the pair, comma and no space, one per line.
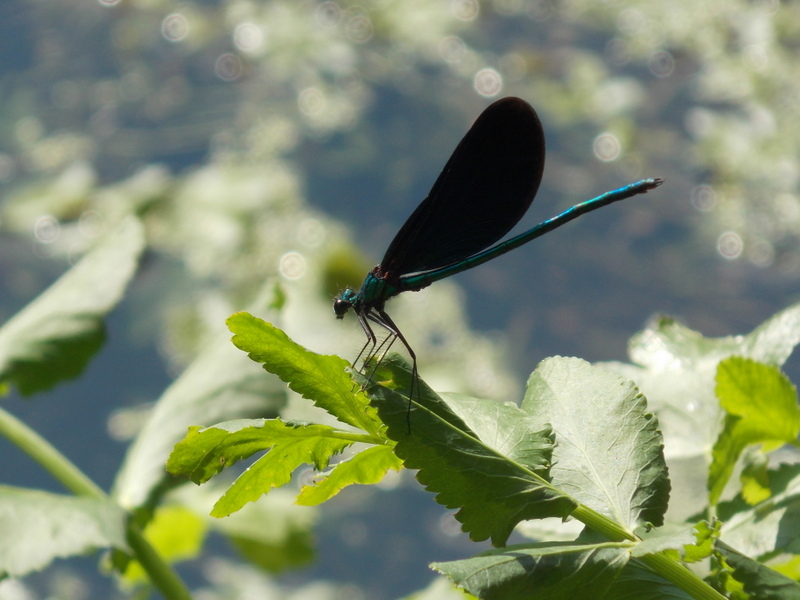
(341,306)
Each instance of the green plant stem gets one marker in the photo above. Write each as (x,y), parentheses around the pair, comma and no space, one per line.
(668,568)
(76,481)
(682,577)
(602,524)
(159,572)
(55,463)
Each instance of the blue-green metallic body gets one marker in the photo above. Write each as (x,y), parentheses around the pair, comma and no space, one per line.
(418,281)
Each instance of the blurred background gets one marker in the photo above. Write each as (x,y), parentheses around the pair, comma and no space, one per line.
(280,145)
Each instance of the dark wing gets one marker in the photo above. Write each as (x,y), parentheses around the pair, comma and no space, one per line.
(483,191)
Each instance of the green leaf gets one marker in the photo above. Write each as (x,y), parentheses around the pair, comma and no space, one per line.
(637,582)
(775,339)
(609,451)
(319,378)
(38,527)
(761,406)
(556,571)
(366,467)
(755,476)
(53,338)
(661,539)
(759,581)
(703,546)
(668,342)
(219,385)
(789,567)
(204,453)
(675,368)
(687,542)
(484,458)
(772,526)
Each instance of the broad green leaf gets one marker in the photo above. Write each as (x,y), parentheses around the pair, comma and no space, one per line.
(551,529)
(761,406)
(790,567)
(675,368)
(770,527)
(555,570)
(204,453)
(668,342)
(366,467)
(319,378)
(687,542)
(55,336)
(219,385)
(637,582)
(759,581)
(609,451)
(495,479)
(38,527)
(667,538)
(176,533)
(680,391)
(775,339)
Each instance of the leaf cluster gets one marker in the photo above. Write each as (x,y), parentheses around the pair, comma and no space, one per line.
(582,447)
(619,450)
(146,521)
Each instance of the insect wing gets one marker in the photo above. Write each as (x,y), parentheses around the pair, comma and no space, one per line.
(483,191)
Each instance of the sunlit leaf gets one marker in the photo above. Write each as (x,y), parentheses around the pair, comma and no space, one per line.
(761,406)
(556,571)
(366,467)
(205,452)
(319,378)
(668,342)
(689,543)
(609,451)
(55,336)
(770,526)
(775,339)
(38,527)
(759,580)
(675,367)
(637,582)
(790,567)
(495,479)
(661,539)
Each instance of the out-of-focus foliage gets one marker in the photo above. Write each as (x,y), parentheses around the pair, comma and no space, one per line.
(109,85)
(229,98)
(215,120)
